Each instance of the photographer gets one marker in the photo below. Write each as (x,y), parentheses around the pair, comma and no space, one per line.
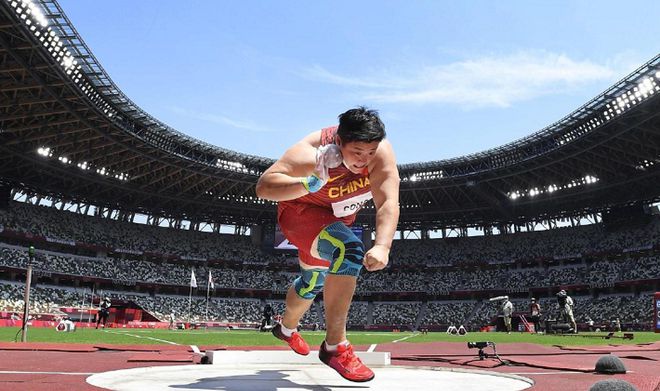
(104,311)
(565,303)
(267,319)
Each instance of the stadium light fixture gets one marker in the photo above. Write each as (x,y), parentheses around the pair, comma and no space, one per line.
(587,179)
(121,176)
(67,62)
(44,151)
(424,176)
(645,87)
(231,165)
(644,164)
(64,160)
(37,14)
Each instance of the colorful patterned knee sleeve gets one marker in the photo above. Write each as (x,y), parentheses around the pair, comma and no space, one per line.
(310,283)
(339,245)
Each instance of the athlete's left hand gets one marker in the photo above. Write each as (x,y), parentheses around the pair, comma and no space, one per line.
(376,258)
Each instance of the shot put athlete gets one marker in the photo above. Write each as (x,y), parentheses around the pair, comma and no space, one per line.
(320,191)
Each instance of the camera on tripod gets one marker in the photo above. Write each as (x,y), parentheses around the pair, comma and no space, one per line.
(479,345)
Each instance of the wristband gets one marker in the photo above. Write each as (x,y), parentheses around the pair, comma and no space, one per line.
(312,183)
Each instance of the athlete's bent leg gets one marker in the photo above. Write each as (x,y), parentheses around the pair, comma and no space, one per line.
(296,307)
(299,298)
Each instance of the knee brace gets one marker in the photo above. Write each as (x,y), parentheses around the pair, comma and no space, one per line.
(310,283)
(339,245)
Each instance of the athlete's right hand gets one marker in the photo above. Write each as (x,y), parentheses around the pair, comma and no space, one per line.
(327,157)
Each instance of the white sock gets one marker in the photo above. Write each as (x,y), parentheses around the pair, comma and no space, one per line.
(332,348)
(287,332)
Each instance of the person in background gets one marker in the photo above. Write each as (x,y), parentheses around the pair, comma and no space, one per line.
(267,318)
(507,312)
(172,318)
(104,311)
(565,303)
(535,314)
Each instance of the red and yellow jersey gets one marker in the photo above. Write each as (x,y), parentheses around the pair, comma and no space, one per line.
(345,193)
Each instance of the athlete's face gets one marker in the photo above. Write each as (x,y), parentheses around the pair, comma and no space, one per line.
(358,154)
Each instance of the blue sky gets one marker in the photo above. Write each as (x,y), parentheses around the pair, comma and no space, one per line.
(449,78)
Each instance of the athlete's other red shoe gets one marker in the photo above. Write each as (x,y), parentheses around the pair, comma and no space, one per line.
(295,341)
(346,363)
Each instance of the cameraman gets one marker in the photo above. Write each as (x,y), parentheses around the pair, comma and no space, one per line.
(565,303)
(267,319)
(104,311)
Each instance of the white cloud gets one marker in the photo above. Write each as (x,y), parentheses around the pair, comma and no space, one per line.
(492,81)
(317,72)
(222,120)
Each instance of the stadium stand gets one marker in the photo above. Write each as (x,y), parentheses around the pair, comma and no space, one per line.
(418,290)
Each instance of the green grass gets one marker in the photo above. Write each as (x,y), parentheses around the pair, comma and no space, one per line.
(255,338)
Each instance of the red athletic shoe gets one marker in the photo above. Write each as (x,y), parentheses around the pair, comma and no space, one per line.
(346,363)
(295,341)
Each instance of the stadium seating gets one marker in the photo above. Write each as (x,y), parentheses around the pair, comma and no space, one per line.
(428,271)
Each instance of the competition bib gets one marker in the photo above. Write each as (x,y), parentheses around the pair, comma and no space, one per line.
(351,205)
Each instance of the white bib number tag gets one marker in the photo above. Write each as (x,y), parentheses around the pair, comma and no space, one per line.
(351,205)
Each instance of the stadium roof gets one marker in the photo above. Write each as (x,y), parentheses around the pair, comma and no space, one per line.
(66,130)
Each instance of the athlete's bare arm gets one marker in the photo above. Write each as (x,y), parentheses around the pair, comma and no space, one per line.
(384,178)
(282,180)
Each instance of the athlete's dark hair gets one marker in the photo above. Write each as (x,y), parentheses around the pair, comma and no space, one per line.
(360,124)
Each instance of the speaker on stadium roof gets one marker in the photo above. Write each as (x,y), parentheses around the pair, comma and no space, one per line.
(612,385)
(5,196)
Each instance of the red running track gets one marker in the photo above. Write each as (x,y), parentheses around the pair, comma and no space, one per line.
(53,367)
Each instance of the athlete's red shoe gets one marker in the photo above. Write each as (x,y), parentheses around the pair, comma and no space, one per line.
(346,363)
(295,341)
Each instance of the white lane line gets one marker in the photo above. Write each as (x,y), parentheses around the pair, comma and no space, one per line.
(372,347)
(544,373)
(404,338)
(241,332)
(141,337)
(552,373)
(47,373)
